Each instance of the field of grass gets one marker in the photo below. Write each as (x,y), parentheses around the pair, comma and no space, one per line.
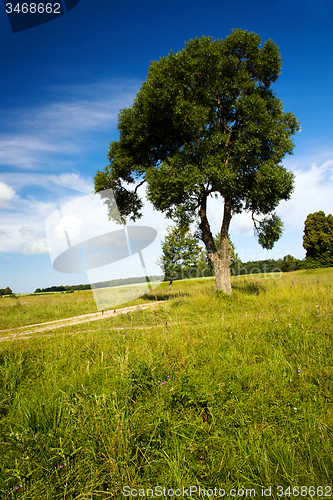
(205,391)
(27,310)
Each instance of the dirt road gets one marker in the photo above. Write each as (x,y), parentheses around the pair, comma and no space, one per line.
(25,332)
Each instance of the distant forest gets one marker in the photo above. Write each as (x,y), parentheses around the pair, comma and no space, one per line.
(101,284)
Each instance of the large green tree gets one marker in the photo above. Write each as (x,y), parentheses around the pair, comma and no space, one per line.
(318,238)
(206,122)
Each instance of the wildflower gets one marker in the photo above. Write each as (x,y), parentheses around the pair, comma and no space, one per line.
(295,409)
(320,437)
(168,376)
(16,487)
(162,383)
(316,306)
(299,371)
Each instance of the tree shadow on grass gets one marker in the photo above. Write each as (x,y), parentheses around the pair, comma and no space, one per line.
(165,296)
(249,287)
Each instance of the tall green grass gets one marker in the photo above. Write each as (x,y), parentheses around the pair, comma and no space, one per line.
(206,390)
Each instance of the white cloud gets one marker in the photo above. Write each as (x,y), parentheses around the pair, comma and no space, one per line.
(53,185)
(44,134)
(313,192)
(7,194)
(243,223)
(28,151)
(73,181)
(22,229)
(38,246)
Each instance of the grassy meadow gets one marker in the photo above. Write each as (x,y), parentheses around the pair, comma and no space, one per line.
(203,390)
(25,310)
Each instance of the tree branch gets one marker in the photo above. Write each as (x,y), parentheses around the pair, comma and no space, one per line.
(139,185)
(204,226)
(226,218)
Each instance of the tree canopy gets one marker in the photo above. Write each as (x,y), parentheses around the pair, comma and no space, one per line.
(318,238)
(206,123)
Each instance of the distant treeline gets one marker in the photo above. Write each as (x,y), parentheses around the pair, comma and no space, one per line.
(61,288)
(101,284)
(260,266)
(287,264)
(5,291)
(125,281)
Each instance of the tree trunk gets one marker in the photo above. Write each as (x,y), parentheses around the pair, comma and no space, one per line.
(220,262)
(223,267)
(171,280)
(222,274)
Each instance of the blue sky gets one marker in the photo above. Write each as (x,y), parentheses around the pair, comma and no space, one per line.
(62,85)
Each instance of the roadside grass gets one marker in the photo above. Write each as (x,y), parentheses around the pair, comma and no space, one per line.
(27,310)
(206,390)
(31,309)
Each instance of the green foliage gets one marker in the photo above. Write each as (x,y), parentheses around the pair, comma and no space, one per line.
(289,263)
(181,253)
(206,122)
(258,267)
(269,231)
(6,291)
(318,239)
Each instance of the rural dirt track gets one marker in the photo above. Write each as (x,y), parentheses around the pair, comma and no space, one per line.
(25,332)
